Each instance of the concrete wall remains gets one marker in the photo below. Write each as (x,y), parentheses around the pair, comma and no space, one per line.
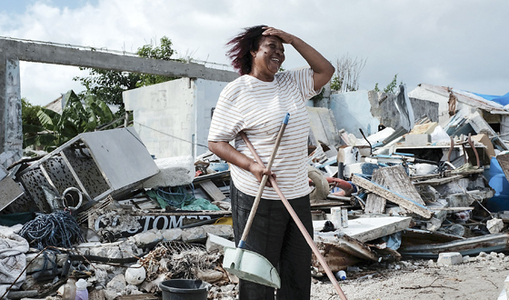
(10,113)
(443,102)
(12,51)
(367,109)
(173,118)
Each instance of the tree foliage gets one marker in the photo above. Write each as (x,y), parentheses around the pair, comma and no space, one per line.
(77,117)
(30,122)
(108,85)
(391,87)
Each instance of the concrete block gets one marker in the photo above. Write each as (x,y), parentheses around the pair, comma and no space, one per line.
(117,284)
(224,231)
(112,250)
(433,224)
(495,225)
(35,264)
(173,171)
(449,258)
(218,243)
(417,139)
(173,234)
(147,237)
(194,235)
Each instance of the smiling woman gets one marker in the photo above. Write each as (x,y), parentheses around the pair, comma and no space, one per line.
(255,104)
(268,58)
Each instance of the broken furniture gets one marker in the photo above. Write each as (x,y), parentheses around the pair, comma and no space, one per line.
(96,164)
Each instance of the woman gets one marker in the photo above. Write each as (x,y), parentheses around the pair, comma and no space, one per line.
(256,103)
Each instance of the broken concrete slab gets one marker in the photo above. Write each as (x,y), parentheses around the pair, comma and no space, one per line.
(467,198)
(9,192)
(37,262)
(323,128)
(173,171)
(366,229)
(200,234)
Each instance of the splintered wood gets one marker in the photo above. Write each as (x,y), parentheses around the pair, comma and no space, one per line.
(393,184)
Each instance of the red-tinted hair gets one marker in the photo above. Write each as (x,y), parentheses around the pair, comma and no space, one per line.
(241,47)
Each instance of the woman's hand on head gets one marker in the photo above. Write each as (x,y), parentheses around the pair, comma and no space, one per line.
(258,171)
(283,35)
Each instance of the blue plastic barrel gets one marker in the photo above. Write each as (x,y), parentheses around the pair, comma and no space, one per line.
(498,182)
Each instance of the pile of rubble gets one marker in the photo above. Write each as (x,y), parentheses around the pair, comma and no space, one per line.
(100,208)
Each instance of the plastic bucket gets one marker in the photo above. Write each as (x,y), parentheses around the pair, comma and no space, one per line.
(184,289)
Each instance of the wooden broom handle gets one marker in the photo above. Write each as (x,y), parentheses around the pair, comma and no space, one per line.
(301,226)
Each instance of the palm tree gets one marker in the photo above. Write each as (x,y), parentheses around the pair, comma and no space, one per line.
(77,117)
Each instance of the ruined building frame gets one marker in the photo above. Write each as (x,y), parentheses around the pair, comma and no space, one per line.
(12,51)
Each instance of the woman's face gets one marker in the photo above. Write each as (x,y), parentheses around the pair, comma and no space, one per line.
(268,58)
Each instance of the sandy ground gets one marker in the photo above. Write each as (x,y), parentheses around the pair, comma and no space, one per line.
(479,278)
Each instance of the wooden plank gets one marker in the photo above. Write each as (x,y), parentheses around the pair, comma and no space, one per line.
(402,201)
(374,203)
(398,181)
(503,160)
(455,208)
(212,190)
(439,181)
(395,179)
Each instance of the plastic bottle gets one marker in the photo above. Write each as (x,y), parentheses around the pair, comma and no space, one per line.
(81,290)
(69,292)
(341,275)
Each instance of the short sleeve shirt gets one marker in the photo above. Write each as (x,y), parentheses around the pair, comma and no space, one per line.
(258,108)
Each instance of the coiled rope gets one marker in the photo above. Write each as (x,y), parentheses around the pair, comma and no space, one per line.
(58,229)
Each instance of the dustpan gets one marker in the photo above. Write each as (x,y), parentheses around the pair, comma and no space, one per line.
(249,265)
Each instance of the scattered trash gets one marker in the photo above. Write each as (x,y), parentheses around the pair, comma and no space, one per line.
(102,212)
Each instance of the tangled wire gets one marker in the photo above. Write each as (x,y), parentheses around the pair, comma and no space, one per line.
(58,229)
(179,260)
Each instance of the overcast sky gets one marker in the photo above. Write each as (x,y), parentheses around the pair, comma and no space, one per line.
(463,44)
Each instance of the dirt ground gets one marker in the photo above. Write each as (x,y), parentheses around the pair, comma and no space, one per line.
(479,278)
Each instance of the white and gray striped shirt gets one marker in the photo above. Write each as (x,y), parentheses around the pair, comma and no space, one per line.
(258,108)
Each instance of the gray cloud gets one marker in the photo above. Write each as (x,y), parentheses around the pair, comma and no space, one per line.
(459,43)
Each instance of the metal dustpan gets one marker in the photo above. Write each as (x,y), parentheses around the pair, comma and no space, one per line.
(245,264)
(251,267)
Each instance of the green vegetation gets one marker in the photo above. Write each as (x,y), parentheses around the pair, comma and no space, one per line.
(108,85)
(46,129)
(88,110)
(392,87)
(31,124)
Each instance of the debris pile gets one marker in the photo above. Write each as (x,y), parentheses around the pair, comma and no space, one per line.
(102,209)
